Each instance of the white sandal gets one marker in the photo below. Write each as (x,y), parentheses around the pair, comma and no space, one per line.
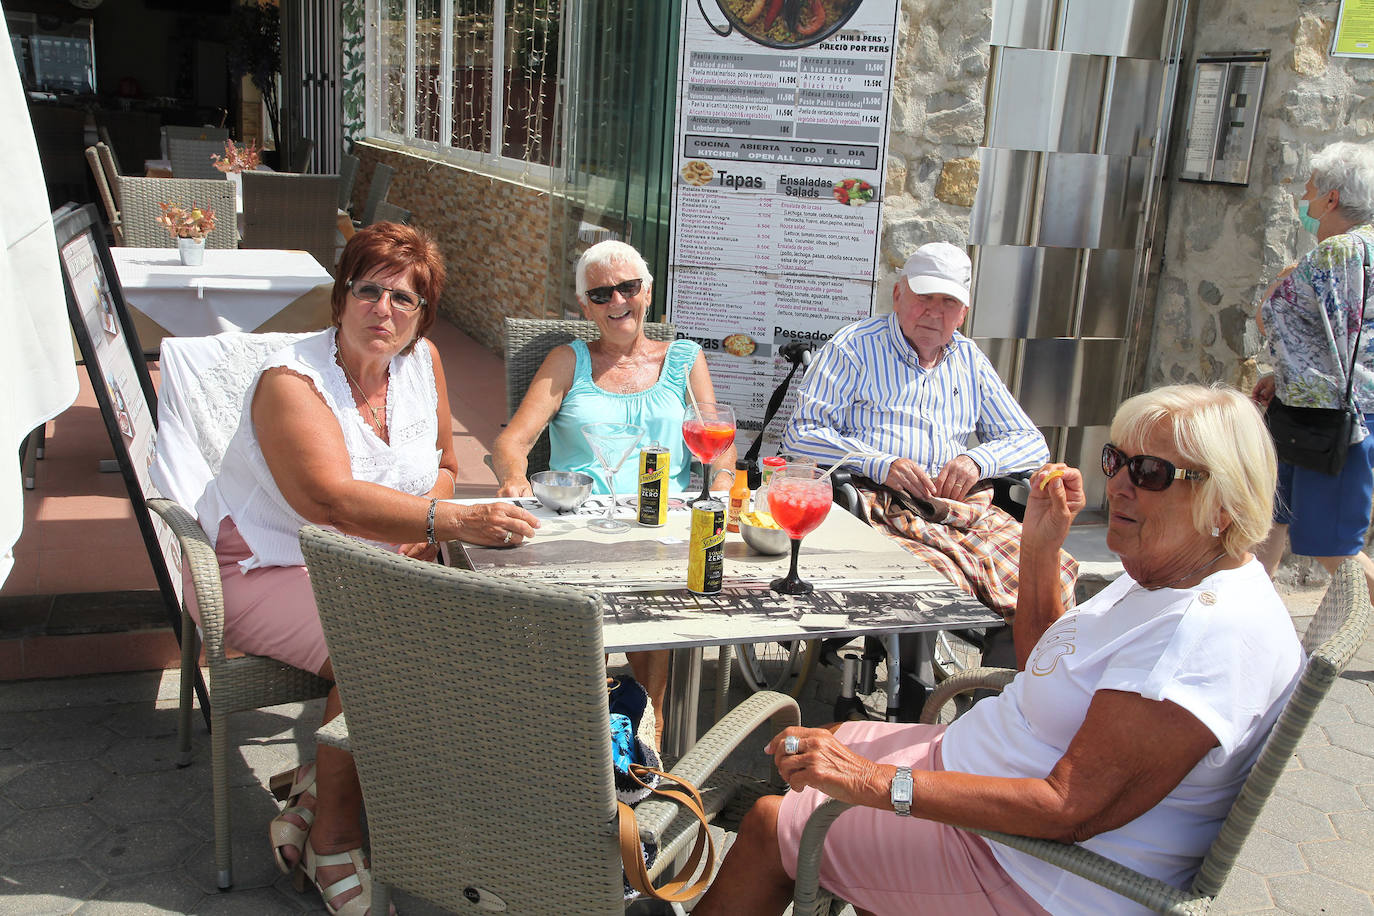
(312,861)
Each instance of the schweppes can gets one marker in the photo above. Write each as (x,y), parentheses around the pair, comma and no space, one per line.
(653,486)
(706,547)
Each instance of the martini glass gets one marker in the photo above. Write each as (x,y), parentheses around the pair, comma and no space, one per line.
(799,500)
(611,443)
(708,429)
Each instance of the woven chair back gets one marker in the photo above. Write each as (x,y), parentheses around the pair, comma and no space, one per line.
(102,186)
(476,711)
(139,213)
(376,191)
(288,210)
(1347,598)
(387,212)
(348,174)
(528,341)
(191,158)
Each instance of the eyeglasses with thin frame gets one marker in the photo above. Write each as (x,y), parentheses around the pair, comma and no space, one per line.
(371,291)
(1146,471)
(627,288)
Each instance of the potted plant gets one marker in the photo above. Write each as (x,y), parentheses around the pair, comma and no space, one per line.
(235,161)
(189,226)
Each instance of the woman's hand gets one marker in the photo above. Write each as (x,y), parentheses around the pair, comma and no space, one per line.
(1056,497)
(516,486)
(496,525)
(822,761)
(1263,392)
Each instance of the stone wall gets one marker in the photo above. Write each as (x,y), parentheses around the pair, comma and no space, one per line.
(494,235)
(937,126)
(1223,245)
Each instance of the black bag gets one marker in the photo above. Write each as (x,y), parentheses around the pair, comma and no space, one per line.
(1317,438)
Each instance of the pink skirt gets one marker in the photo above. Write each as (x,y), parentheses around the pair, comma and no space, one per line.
(267,611)
(883,863)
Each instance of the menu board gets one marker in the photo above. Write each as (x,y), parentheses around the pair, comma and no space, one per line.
(781,142)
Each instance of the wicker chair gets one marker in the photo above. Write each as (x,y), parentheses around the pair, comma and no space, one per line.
(528,341)
(172,132)
(288,210)
(191,158)
(1346,600)
(486,697)
(301,152)
(140,198)
(387,212)
(204,380)
(376,192)
(102,185)
(348,174)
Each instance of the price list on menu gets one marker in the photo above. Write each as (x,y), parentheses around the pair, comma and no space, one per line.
(780,147)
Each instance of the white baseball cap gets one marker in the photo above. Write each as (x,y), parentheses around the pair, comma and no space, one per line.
(939,267)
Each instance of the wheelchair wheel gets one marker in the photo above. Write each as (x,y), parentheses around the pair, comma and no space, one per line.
(953,655)
(781,666)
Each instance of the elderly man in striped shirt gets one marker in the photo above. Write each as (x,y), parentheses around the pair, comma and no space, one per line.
(909,392)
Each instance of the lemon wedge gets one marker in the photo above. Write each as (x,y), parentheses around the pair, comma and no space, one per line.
(760,520)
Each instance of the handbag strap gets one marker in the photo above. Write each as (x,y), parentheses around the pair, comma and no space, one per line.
(676,889)
(1359,326)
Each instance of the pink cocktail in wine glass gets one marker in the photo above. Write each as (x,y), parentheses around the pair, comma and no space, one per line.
(708,430)
(799,500)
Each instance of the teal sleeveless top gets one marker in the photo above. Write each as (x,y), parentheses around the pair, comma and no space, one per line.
(659,409)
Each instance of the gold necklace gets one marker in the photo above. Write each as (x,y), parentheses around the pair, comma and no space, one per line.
(381,427)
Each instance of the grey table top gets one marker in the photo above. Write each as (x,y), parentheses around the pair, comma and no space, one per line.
(865,582)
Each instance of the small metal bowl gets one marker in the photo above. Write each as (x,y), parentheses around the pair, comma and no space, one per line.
(561,491)
(771,541)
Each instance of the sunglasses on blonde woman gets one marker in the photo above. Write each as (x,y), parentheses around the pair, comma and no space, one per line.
(1146,471)
(602,294)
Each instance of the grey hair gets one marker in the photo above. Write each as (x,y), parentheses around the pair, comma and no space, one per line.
(1218,430)
(611,251)
(1348,168)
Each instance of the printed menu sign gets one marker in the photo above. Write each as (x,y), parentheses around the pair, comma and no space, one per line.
(781,142)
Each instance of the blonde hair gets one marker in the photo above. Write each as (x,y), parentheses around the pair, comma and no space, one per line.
(1221,431)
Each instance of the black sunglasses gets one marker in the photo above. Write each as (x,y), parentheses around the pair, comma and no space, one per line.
(602,294)
(402,299)
(1146,471)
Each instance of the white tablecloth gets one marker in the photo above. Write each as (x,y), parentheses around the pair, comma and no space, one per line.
(234,290)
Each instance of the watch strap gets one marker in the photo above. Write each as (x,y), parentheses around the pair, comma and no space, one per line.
(900,792)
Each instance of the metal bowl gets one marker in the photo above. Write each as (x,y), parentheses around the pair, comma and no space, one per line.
(561,491)
(771,541)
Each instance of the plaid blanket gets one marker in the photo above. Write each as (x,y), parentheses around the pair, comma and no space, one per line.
(976,545)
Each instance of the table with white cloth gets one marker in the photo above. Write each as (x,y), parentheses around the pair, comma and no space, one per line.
(250,289)
(866,585)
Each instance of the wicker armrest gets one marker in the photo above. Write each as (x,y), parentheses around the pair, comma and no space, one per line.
(964,682)
(697,765)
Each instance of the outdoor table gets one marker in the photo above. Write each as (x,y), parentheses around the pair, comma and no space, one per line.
(250,289)
(866,585)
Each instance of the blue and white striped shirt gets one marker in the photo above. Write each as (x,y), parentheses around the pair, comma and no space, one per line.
(866,391)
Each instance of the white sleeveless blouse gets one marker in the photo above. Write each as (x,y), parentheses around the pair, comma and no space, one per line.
(245,489)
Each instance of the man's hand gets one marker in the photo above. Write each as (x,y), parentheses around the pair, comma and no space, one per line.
(957,478)
(515,487)
(907,476)
(1263,392)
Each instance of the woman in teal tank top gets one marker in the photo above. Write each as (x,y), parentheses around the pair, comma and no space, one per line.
(625,377)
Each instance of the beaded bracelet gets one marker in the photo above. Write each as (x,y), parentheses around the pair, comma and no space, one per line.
(429,523)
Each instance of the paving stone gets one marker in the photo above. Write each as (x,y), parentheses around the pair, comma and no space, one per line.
(135,848)
(144,755)
(46,833)
(1268,854)
(139,720)
(1244,890)
(1320,790)
(1342,860)
(8,812)
(1294,821)
(1331,712)
(1313,894)
(258,901)
(16,727)
(1345,765)
(147,796)
(68,783)
(57,886)
(136,895)
(12,763)
(94,691)
(1357,737)
(251,858)
(88,745)
(1356,826)
(1367,793)
(1358,699)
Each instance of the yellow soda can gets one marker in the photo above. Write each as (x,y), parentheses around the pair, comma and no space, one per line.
(706,547)
(653,486)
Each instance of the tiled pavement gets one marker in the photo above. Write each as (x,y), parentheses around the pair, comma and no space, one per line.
(95,817)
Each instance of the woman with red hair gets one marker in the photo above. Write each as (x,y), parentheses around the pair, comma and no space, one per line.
(349,428)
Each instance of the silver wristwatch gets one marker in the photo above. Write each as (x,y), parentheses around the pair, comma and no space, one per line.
(901,792)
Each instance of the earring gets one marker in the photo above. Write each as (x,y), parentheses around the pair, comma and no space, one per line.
(1216,532)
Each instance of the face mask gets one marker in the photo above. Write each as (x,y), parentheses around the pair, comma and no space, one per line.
(1308,222)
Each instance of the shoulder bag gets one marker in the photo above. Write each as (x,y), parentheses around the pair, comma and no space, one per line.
(1318,438)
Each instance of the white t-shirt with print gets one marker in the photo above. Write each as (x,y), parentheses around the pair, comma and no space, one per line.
(1224,650)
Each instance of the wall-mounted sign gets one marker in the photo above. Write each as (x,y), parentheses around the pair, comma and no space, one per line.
(1354,35)
(781,144)
(1222,115)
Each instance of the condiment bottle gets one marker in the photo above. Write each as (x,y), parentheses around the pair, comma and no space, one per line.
(739,497)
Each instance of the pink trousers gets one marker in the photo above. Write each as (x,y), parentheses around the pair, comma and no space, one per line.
(268,611)
(883,863)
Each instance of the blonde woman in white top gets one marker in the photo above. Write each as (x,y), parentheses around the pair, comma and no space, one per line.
(351,429)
